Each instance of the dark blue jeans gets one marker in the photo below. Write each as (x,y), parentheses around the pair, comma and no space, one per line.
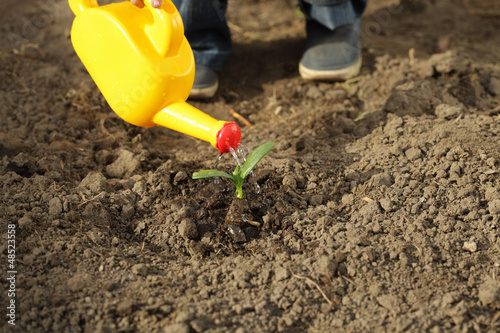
(206,28)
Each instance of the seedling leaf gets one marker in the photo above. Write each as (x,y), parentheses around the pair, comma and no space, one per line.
(254,158)
(211,173)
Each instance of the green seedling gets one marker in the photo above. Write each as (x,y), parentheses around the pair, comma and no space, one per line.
(239,174)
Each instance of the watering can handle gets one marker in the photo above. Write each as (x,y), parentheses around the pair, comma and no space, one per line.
(167,31)
(78,6)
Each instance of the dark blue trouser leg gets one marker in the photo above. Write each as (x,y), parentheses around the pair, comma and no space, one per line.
(333,13)
(206,30)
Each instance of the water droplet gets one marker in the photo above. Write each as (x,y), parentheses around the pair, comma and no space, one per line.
(257,188)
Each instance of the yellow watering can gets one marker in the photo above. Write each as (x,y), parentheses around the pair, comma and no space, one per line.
(144,67)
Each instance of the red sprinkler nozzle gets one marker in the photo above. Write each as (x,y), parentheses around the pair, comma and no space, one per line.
(228,137)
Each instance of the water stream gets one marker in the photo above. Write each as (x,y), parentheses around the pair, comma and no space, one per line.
(240,154)
(236,153)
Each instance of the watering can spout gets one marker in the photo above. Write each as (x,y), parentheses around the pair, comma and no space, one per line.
(143,64)
(187,119)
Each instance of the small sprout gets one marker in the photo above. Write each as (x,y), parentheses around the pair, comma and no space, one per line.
(239,175)
(254,223)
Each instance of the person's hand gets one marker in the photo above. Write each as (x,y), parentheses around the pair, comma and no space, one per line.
(140,3)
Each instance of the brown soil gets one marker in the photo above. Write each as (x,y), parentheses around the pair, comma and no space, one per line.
(379,204)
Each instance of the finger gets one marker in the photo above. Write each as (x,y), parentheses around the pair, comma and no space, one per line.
(156,3)
(138,3)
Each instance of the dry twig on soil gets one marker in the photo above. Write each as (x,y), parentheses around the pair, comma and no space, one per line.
(314,284)
(240,118)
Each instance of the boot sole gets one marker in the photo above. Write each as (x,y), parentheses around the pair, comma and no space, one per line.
(330,75)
